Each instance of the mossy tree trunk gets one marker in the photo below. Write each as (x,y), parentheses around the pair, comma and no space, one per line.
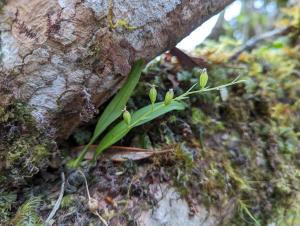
(61,59)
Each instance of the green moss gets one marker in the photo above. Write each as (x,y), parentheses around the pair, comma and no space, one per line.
(198,117)
(6,201)
(288,216)
(184,164)
(240,183)
(68,201)
(24,148)
(184,157)
(24,151)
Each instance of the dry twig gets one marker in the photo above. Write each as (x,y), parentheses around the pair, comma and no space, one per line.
(49,220)
(251,43)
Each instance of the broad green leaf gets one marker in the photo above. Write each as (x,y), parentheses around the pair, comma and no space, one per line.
(114,108)
(139,117)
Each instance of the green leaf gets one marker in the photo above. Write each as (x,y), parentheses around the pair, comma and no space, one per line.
(138,118)
(114,108)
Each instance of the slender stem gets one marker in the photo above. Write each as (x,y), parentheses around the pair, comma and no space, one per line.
(83,153)
(189,92)
(86,184)
(192,87)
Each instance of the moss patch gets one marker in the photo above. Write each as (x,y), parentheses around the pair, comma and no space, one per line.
(24,149)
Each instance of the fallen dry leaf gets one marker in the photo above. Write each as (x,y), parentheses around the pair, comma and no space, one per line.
(122,154)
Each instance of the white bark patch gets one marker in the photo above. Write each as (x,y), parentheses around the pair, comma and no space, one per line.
(143,12)
(66,34)
(10,51)
(46,98)
(66,3)
(136,12)
(39,55)
(68,7)
(98,6)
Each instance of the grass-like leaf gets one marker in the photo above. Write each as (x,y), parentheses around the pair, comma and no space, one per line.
(114,108)
(139,117)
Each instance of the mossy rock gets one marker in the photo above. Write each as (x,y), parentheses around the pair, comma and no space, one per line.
(24,148)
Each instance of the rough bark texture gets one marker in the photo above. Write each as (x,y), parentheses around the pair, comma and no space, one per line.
(62,59)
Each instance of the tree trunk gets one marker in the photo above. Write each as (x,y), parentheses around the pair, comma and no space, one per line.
(61,59)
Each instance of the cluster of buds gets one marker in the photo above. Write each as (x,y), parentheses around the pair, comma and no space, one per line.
(203,78)
(153,95)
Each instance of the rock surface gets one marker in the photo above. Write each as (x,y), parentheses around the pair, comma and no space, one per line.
(172,210)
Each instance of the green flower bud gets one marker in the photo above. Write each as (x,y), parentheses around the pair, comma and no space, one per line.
(203,79)
(126,117)
(169,97)
(152,94)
